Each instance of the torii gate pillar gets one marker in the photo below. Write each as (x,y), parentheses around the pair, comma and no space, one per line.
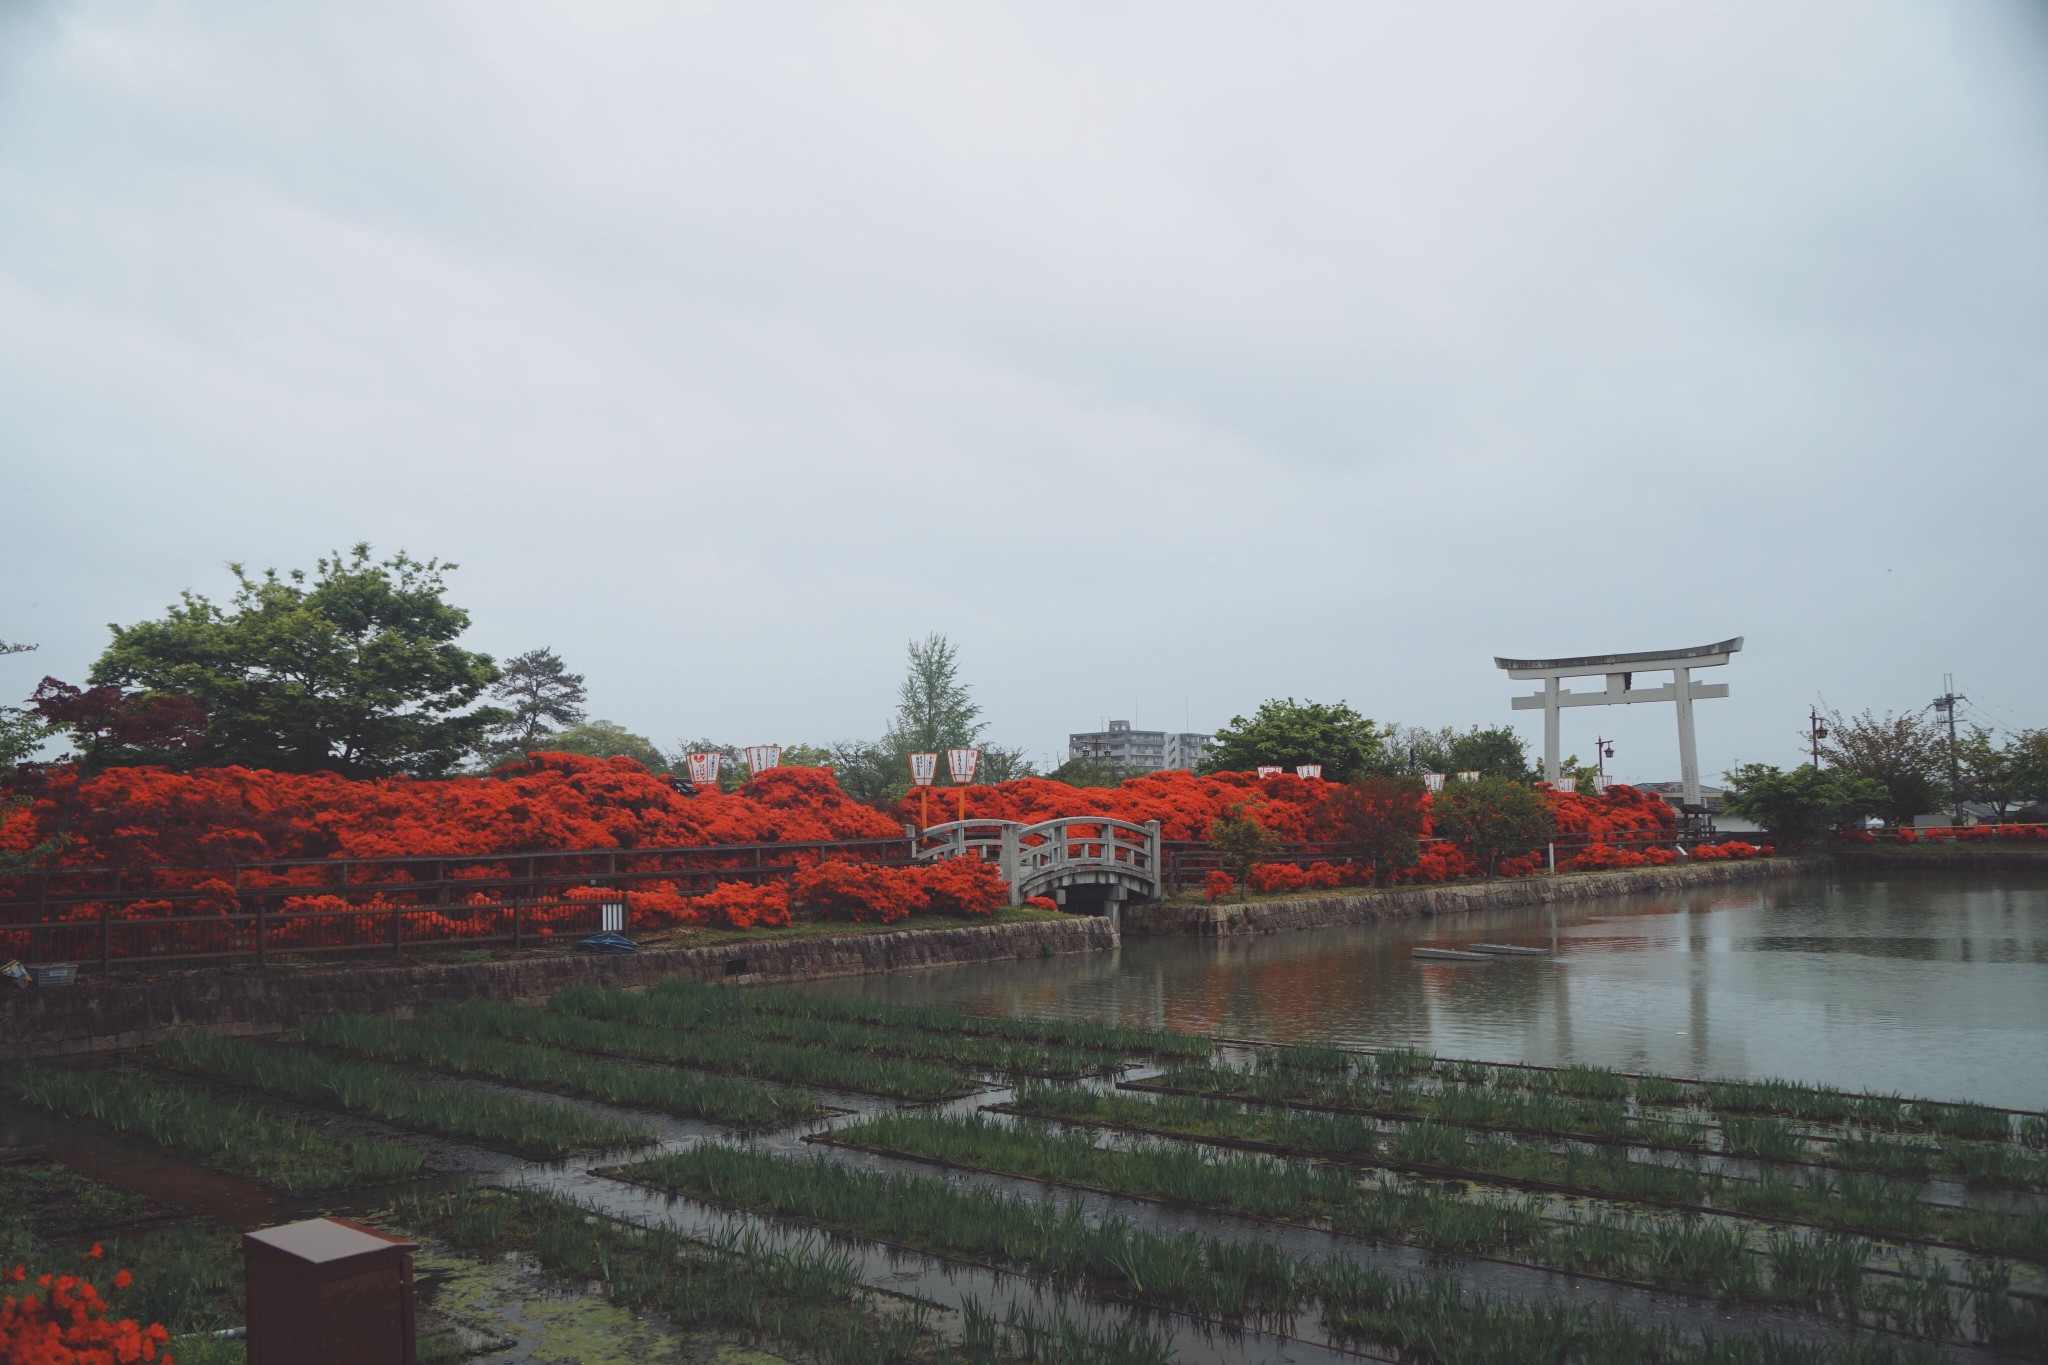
(1620,671)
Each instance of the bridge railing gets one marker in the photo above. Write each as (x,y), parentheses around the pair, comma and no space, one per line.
(1037,855)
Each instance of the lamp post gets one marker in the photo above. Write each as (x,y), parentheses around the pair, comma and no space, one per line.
(1816,731)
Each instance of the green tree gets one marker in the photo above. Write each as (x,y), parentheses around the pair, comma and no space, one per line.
(806,756)
(1800,806)
(1491,819)
(870,772)
(934,712)
(1241,843)
(22,731)
(1907,755)
(1093,772)
(1002,765)
(539,693)
(608,739)
(353,670)
(1290,733)
(1377,819)
(2026,766)
(1490,751)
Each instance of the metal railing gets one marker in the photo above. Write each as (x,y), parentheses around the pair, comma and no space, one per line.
(1039,856)
(49,893)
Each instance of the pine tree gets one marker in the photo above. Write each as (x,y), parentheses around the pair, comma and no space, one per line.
(541,693)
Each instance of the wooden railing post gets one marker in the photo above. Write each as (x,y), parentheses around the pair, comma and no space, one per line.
(261,960)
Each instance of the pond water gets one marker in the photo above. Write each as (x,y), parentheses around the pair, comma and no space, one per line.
(1923,986)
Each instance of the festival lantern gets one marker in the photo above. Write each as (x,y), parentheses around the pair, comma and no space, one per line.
(1469,775)
(762,757)
(1601,782)
(1309,770)
(1267,770)
(924,768)
(1433,781)
(704,769)
(1565,784)
(961,763)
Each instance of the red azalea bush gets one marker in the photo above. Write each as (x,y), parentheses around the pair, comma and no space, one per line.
(1278,877)
(1217,885)
(1601,857)
(1184,804)
(1733,849)
(1440,862)
(865,893)
(215,817)
(742,905)
(206,826)
(68,1322)
(1041,903)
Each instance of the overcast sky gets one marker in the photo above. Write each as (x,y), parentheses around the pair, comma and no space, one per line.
(1166,357)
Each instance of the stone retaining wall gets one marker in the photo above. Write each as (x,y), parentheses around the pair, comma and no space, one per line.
(96,1016)
(1948,859)
(1216,919)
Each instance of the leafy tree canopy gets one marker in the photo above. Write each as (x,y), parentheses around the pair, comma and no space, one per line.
(2003,775)
(1241,842)
(1802,805)
(22,731)
(353,669)
(1492,818)
(1377,818)
(1291,733)
(1093,772)
(1490,751)
(539,693)
(1907,755)
(608,739)
(113,728)
(934,712)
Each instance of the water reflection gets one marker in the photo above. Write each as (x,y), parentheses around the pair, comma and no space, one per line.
(1919,986)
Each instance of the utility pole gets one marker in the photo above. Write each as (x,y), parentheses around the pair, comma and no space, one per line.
(1946,705)
(1816,731)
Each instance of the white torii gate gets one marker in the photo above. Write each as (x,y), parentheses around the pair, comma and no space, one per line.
(1621,670)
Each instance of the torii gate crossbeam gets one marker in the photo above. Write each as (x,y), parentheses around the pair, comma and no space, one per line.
(1620,671)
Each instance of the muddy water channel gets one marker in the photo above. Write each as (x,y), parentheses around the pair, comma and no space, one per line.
(1916,986)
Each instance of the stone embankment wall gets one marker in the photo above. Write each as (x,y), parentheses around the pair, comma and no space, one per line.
(95,1016)
(1217,919)
(1951,860)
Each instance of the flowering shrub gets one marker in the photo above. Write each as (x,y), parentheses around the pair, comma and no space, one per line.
(742,905)
(1440,862)
(957,886)
(66,1321)
(214,817)
(1041,903)
(1217,885)
(1600,857)
(1278,877)
(1733,849)
(863,892)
